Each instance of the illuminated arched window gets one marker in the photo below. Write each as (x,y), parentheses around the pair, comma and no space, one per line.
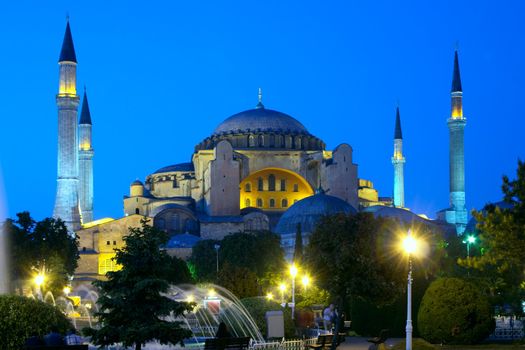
(272,203)
(247,202)
(260,184)
(247,187)
(271,182)
(284,203)
(259,203)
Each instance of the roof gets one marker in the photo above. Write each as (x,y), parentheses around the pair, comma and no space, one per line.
(308,211)
(137,183)
(456,78)
(260,119)
(68,49)
(397,132)
(392,212)
(176,167)
(184,240)
(85,115)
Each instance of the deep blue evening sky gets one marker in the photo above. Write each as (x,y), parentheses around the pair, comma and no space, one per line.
(161,75)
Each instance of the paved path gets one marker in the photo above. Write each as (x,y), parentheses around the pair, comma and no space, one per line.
(359,343)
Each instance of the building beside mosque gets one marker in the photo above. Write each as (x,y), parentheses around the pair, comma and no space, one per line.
(260,169)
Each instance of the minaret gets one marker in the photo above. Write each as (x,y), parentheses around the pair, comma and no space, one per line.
(398,161)
(66,203)
(457,213)
(85,163)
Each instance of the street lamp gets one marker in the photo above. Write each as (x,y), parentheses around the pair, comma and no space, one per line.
(217,247)
(409,246)
(293,273)
(468,241)
(306,281)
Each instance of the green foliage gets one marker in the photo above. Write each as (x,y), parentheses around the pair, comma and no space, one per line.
(417,344)
(21,317)
(454,311)
(38,246)
(257,308)
(133,299)
(313,295)
(502,243)
(260,252)
(239,280)
(203,259)
(349,254)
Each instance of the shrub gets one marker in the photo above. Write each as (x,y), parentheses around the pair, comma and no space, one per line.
(454,311)
(21,317)
(417,344)
(257,308)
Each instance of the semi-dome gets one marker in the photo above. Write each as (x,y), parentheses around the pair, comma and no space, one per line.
(400,214)
(309,211)
(176,167)
(260,120)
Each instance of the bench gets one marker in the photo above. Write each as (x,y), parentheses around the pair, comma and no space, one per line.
(227,343)
(324,341)
(60,347)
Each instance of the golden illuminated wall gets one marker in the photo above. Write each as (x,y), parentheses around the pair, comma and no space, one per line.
(106,263)
(273,189)
(68,79)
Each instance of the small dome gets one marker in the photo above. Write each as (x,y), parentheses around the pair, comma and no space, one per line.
(176,167)
(309,211)
(260,120)
(184,240)
(392,212)
(137,183)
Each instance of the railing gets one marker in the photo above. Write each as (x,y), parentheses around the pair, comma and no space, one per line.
(508,328)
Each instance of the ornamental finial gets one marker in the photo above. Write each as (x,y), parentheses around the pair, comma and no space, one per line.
(259,96)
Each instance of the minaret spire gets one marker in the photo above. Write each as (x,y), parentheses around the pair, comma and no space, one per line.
(85,162)
(66,203)
(398,161)
(457,213)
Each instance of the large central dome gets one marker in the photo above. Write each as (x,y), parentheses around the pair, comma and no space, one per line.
(260,120)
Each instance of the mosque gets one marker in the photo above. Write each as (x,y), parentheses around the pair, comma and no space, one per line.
(260,169)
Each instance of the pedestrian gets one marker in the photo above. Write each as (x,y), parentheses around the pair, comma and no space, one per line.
(328,316)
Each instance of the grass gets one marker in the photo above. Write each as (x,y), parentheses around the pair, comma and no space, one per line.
(420,344)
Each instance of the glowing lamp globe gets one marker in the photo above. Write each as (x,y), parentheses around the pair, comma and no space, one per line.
(409,244)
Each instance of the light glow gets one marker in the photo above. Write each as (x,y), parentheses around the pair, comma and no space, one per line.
(293,271)
(269,296)
(282,287)
(306,281)
(409,244)
(66,290)
(39,279)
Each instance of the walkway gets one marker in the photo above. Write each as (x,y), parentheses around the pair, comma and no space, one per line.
(359,343)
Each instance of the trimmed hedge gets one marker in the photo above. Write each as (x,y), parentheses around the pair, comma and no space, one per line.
(257,307)
(22,317)
(454,311)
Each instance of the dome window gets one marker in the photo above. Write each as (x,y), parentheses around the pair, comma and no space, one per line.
(283,185)
(271,182)
(259,203)
(247,188)
(260,184)
(247,202)
(284,203)
(272,203)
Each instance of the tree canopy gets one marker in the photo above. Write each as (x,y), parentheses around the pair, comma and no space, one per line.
(502,241)
(133,301)
(45,246)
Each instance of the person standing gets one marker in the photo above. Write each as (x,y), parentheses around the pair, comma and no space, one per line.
(328,316)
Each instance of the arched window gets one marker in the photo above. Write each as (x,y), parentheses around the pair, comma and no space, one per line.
(251,141)
(260,184)
(295,187)
(283,184)
(247,202)
(259,203)
(272,203)
(175,183)
(284,203)
(271,182)
(261,141)
(137,211)
(247,187)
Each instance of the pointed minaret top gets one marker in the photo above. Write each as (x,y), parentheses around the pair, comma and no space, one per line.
(85,115)
(68,49)
(259,96)
(397,132)
(456,79)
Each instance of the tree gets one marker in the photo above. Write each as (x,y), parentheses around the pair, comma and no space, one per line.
(241,281)
(133,302)
(454,311)
(349,256)
(203,260)
(298,250)
(44,246)
(502,241)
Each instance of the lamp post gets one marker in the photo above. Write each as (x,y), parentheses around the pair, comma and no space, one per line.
(282,288)
(217,247)
(293,273)
(409,246)
(469,240)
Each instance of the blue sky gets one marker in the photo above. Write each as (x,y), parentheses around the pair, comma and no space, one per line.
(161,75)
